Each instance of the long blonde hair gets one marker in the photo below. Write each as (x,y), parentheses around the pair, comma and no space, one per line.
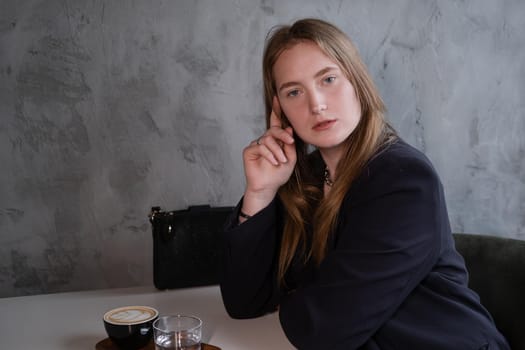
(302,195)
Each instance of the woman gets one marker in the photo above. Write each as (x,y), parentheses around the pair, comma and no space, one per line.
(343,226)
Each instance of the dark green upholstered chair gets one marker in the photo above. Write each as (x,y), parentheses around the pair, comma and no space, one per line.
(496,267)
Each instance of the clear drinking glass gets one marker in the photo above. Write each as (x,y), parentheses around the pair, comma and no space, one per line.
(177,332)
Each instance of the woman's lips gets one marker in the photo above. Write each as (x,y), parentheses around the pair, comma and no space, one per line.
(325,124)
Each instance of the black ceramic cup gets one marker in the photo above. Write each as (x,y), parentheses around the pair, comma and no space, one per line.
(130,327)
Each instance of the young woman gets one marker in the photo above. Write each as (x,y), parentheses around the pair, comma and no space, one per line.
(343,226)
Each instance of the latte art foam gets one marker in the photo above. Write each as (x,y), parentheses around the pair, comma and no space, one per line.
(129,315)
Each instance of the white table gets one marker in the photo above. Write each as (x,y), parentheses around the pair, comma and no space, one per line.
(74,320)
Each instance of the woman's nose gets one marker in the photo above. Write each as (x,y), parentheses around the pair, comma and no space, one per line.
(317,103)
(319,109)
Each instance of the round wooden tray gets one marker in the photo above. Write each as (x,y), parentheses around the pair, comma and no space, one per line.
(107,344)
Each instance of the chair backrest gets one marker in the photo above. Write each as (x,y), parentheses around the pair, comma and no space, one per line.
(496,267)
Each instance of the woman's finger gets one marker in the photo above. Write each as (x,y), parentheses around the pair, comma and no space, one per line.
(275,115)
(289,148)
(273,145)
(267,154)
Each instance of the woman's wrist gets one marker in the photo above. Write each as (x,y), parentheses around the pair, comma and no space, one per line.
(243,217)
(253,202)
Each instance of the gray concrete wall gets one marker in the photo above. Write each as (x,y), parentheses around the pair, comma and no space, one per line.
(110,107)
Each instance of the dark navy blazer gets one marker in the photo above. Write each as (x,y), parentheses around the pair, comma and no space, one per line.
(391,279)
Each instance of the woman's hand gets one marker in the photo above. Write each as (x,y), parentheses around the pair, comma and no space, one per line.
(268,163)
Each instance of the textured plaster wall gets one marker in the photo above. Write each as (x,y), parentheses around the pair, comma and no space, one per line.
(110,107)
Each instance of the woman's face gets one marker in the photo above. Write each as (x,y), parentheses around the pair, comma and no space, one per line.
(315,95)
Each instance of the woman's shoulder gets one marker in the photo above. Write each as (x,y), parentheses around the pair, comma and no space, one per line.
(399,162)
(399,155)
(396,168)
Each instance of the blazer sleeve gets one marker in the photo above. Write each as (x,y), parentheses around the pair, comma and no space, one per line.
(248,280)
(387,242)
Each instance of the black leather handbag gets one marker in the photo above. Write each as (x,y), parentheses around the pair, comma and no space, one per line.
(186,245)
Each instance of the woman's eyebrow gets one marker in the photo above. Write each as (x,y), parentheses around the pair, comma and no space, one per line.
(325,70)
(316,75)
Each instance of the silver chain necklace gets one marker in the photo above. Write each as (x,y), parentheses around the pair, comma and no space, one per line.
(327,180)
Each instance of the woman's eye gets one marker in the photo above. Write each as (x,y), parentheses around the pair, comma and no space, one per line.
(329,79)
(292,93)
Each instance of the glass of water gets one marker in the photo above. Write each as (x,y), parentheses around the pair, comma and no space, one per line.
(177,332)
